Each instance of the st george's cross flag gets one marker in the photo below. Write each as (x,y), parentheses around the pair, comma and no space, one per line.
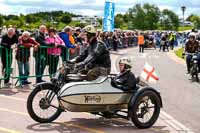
(149,74)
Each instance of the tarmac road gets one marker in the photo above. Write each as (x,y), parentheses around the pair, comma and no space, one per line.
(180,94)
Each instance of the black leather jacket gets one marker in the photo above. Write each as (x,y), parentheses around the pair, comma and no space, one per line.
(125,81)
(40,38)
(96,55)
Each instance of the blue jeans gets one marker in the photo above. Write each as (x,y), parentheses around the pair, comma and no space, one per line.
(188,60)
(23,71)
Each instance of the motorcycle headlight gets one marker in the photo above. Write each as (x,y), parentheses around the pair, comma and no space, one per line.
(194,57)
(195,61)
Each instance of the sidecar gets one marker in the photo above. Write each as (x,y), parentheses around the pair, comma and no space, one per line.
(99,97)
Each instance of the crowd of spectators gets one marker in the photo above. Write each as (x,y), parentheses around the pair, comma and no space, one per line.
(49,45)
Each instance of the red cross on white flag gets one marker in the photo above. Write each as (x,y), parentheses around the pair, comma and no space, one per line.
(149,73)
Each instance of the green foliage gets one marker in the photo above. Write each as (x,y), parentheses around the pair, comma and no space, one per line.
(184,28)
(195,19)
(169,20)
(1,20)
(119,21)
(144,17)
(82,25)
(66,18)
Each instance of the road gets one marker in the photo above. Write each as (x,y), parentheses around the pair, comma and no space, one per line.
(179,93)
(180,100)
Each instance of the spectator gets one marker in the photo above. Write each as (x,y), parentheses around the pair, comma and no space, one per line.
(55,52)
(23,55)
(141,43)
(8,40)
(4,30)
(65,36)
(41,54)
(115,41)
(73,51)
(78,39)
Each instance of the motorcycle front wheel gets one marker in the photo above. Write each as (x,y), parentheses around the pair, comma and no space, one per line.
(43,105)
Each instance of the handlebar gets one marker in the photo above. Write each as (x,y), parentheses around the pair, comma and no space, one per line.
(186,53)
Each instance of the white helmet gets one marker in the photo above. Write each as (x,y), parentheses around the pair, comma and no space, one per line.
(192,34)
(126,61)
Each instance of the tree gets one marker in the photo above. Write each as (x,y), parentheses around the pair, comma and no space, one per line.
(119,21)
(31,18)
(125,17)
(82,25)
(195,19)
(144,18)
(1,20)
(66,18)
(169,20)
(152,16)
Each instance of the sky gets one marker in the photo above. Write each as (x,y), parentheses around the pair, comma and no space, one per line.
(92,7)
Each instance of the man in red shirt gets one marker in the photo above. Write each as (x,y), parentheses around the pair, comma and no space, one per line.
(23,55)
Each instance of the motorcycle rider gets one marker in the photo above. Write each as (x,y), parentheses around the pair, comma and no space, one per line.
(95,58)
(191,46)
(125,80)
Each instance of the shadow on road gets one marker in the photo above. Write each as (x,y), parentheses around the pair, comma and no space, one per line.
(12,91)
(79,125)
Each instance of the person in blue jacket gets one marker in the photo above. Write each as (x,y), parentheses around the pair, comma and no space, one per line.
(65,37)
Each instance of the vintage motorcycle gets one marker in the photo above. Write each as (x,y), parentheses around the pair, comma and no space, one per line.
(69,91)
(194,70)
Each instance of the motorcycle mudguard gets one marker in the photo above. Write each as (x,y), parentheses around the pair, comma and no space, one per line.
(50,86)
(140,91)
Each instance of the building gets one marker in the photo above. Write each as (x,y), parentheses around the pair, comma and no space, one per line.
(89,20)
(185,23)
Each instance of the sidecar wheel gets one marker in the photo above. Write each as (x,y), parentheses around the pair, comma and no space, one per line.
(145,103)
(41,113)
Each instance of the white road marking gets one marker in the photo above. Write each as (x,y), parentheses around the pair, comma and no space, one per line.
(8,130)
(176,124)
(13,98)
(143,55)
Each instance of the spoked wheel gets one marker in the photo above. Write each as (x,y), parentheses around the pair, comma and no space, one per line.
(43,105)
(146,109)
(194,72)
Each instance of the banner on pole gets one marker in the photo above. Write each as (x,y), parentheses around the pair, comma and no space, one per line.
(109,16)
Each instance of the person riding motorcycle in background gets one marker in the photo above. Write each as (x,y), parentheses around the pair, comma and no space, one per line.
(95,58)
(125,80)
(191,46)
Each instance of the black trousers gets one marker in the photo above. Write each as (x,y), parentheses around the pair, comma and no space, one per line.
(141,48)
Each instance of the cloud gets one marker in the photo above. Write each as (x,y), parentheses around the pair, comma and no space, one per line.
(92,7)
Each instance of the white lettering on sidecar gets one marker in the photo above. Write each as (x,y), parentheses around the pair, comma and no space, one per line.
(92,99)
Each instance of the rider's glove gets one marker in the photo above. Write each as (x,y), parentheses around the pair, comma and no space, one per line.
(72,60)
(80,65)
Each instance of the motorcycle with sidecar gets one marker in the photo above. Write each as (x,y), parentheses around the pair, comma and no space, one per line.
(69,91)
